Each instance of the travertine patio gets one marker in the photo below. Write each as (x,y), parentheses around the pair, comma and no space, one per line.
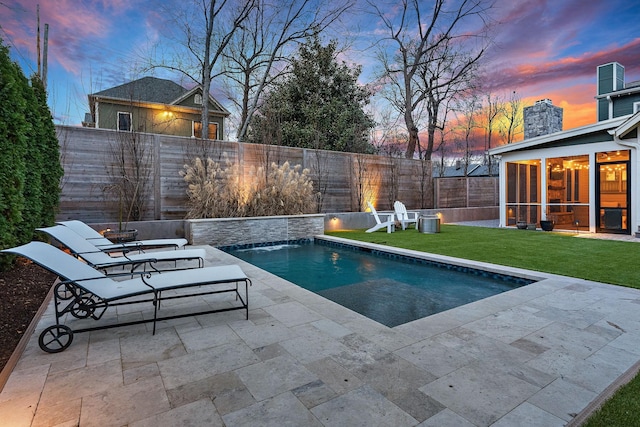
(534,356)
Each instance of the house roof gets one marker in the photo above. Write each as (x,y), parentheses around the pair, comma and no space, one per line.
(532,143)
(148,89)
(626,127)
(154,90)
(474,169)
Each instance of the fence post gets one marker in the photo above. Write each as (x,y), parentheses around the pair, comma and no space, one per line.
(157,173)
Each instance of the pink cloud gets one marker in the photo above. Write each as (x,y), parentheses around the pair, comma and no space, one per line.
(78,30)
(534,77)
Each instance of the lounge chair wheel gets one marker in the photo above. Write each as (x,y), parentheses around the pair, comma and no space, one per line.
(55,338)
(64,291)
(83,308)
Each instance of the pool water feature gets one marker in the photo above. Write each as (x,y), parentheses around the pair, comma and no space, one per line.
(387,288)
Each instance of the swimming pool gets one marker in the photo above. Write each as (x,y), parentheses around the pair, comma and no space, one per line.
(387,288)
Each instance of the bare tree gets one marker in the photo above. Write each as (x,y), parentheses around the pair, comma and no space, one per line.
(267,38)
(386,138)
(130,160)
(365,177)
(417,35)
(204,28)
(512,125)
(493,109)
(321,173)
(468,109)
(443,134)
(447,75)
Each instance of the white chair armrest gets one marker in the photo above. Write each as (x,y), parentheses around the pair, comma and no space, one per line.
(412,216)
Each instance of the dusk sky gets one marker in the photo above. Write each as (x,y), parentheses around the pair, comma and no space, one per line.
(543,48)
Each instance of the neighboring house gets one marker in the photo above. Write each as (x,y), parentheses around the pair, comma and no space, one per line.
(457,171)
(155,105)
(585,178)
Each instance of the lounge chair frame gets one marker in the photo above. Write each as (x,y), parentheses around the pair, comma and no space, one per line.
(91,293)
(84,249)
(106,245)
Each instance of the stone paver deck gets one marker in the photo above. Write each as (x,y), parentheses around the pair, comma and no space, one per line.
(533,356)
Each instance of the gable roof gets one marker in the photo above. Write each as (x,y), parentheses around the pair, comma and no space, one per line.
(625,128)
(147,89)
(154,90)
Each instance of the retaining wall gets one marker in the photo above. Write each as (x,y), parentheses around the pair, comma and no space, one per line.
(241,231)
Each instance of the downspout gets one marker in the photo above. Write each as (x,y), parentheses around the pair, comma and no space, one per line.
(544,209)
(97,124)
(502,203)
(633,178)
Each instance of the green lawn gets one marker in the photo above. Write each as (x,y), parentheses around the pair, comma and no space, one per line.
(605,261)
(594,259)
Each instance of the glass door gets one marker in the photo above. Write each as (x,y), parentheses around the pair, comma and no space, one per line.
(613,197)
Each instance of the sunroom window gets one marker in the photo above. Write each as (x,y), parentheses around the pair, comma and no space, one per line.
(523,192)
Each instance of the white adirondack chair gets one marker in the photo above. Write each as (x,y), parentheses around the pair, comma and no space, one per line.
(388,221)
(405,218)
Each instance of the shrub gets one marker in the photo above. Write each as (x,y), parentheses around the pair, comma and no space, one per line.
(215,192)
(13,148)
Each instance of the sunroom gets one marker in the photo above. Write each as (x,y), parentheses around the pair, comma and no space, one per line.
(581,179)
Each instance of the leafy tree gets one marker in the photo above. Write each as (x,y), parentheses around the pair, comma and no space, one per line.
(319,104)
(32,188)
(30,168)
(52,170)
(265,41)
(13,146)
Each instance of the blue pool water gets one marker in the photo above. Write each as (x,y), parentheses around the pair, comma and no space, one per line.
(391,290)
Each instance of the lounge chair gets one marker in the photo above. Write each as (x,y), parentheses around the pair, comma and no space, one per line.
(107,245)
(403,217)
(86,293)
(98,259)
(388,222)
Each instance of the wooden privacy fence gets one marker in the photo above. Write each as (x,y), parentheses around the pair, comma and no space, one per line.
(345,180)
(466,192)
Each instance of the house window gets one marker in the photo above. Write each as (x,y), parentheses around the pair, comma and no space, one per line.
(197,99)
(197,130)
(124,121)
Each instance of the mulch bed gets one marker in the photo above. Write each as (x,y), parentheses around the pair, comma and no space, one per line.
(22,291)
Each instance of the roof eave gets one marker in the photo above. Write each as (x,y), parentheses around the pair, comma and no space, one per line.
(221,109)
(621,92)
(604,125)
(155,105)
(630,124)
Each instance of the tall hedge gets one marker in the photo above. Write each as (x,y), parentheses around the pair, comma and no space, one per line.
(13,148)
(51,171)
(30,168)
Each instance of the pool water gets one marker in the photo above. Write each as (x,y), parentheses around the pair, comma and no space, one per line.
(389,290)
